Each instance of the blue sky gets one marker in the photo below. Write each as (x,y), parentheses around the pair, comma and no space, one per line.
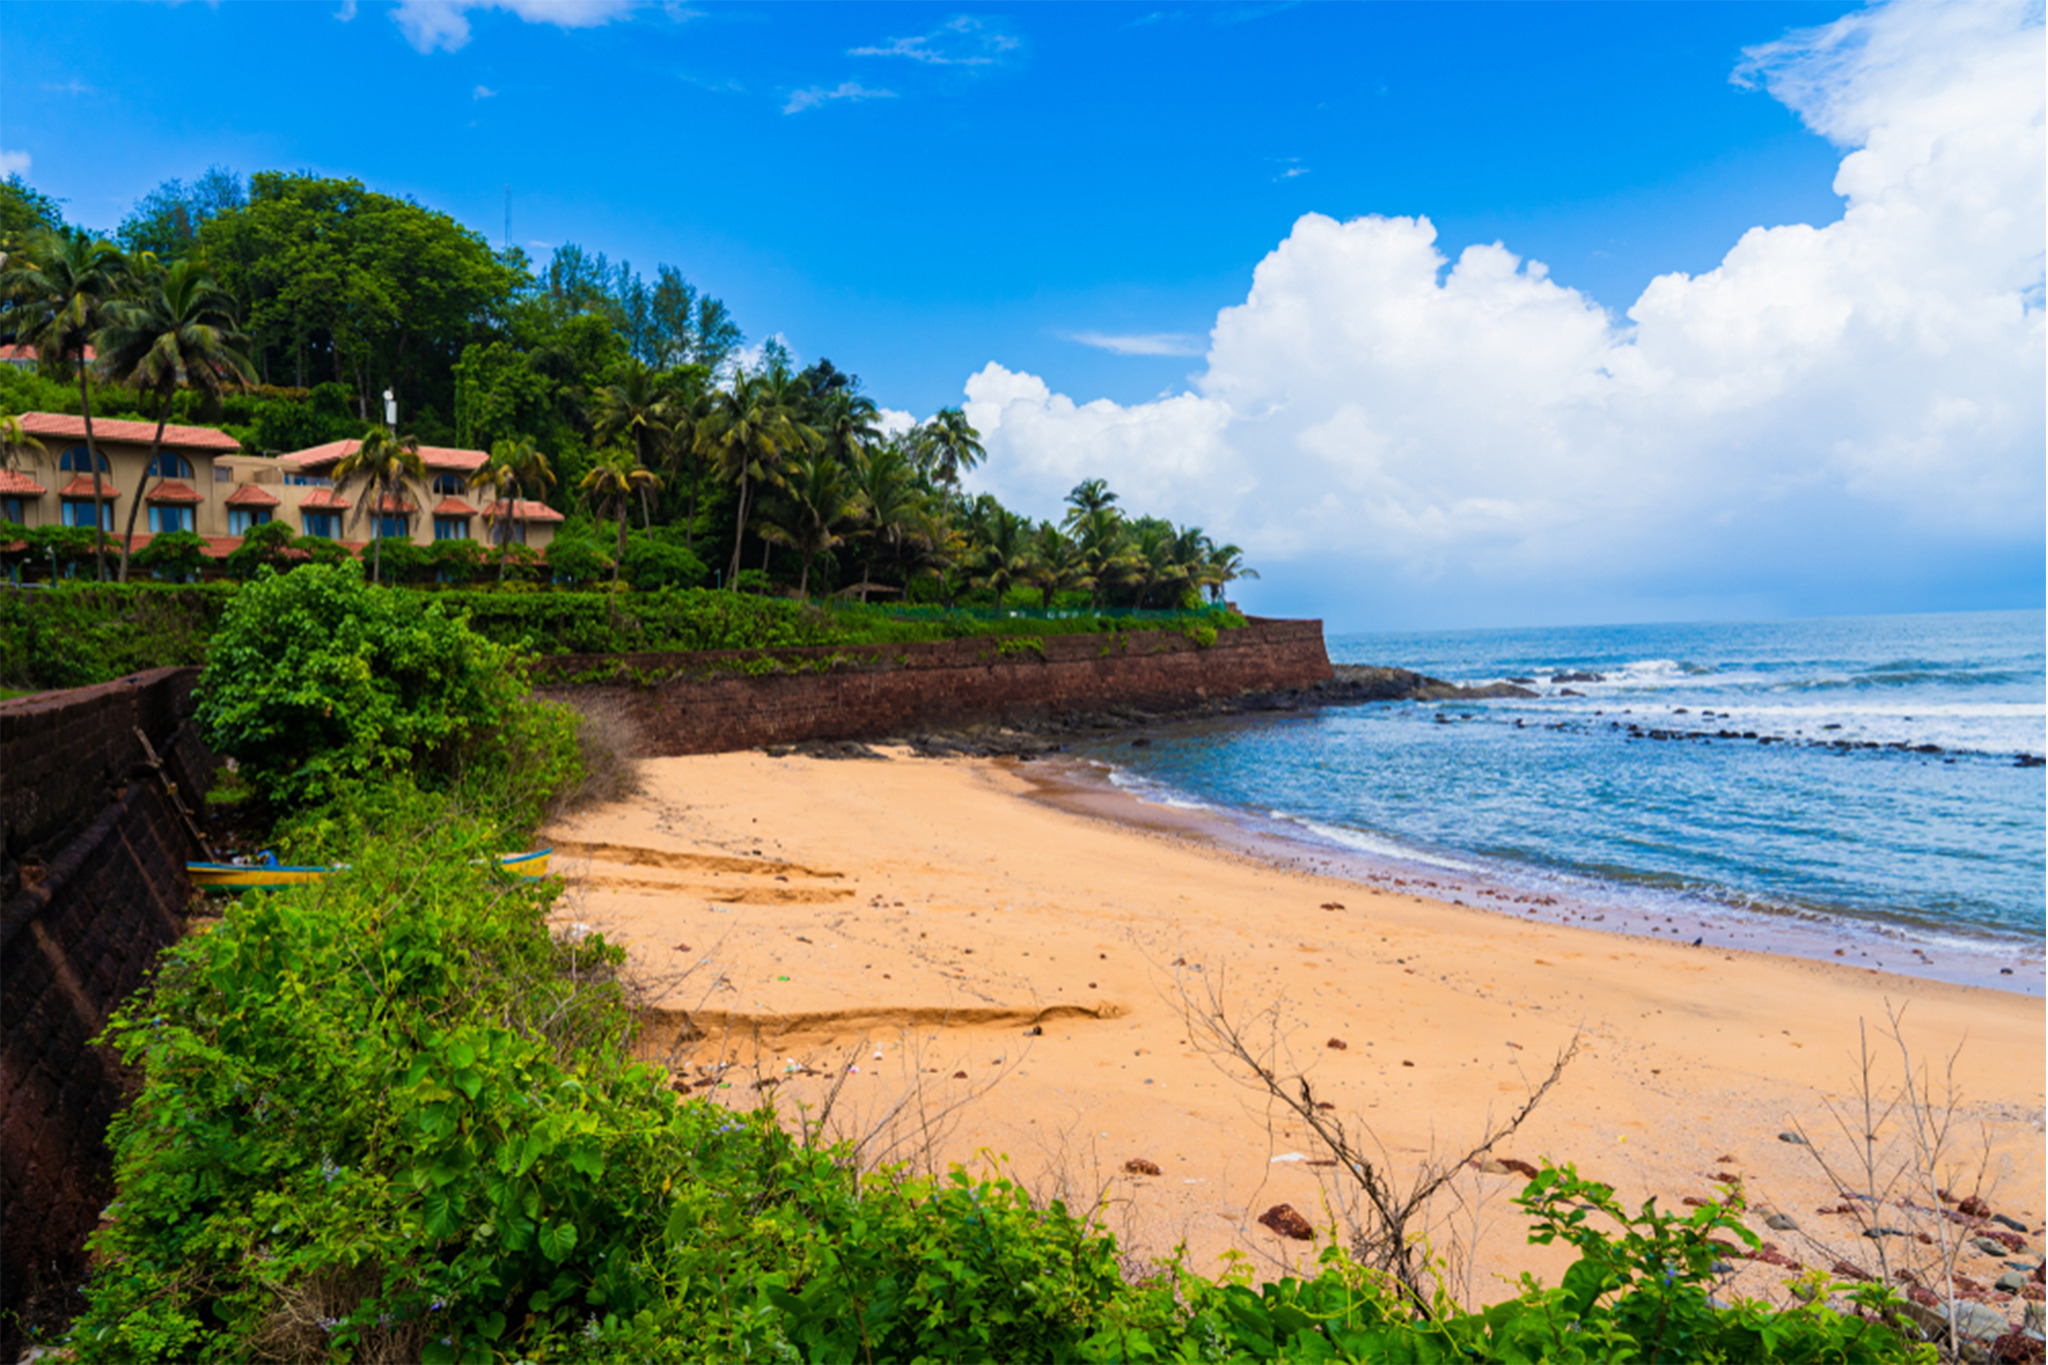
(1051,172)
(1071,193)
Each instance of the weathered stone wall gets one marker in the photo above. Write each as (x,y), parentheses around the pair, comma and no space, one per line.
(94,888)
(710,703)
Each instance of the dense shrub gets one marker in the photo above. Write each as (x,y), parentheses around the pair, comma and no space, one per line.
(76,634)
(174,556)
(315,676)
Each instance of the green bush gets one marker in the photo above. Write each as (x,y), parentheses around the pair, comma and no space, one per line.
(267,546)
(316,676)
(173,556)
(78,633)
(455,562)
(651,565)
(577,563)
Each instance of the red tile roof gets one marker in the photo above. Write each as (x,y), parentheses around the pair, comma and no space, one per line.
(522,510)
(25,352)
(323,500)
(249,495)
(127,433)
(81,487)
(393,505)
(170,490)
(433,457)
(217,547)
(454,507)
(20,485)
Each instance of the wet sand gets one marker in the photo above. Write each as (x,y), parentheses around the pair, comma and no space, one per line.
(975,957)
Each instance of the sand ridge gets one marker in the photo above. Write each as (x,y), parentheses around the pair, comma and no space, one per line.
(1023,969)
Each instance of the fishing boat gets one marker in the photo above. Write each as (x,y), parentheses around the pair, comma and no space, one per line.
(268,874)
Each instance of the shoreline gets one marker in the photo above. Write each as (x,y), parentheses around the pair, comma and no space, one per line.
(960,966)
(1087,784)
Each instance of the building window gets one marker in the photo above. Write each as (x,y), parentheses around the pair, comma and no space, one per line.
(165,519)
(80,514)
(307,481)
(240,519)
(170,465)
(10,510)
(511,532)
(451,528)
(321,524)
(394,528)
(453,484)
(76,461)
(222,474)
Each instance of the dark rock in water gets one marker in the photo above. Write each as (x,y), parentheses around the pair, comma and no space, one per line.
(1523,682)
(1567,692)
(2029,761)
(1141,743)
(1284,1220)
(1578,677)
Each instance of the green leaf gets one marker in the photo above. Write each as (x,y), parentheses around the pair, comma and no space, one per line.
(557,1240)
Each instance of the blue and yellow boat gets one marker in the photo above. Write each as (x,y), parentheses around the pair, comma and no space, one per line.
(269,874)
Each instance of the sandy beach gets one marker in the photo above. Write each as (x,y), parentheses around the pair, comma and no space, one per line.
(985,958)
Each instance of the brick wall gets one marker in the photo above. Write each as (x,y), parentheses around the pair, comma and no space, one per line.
(94,889)
(708,703)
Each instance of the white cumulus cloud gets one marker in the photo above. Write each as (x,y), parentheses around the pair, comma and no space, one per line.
(894,421)
(1831,414)
(13,162)
(444,24)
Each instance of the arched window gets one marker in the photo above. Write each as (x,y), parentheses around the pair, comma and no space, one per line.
(171,465)
(450,484)
(76,461)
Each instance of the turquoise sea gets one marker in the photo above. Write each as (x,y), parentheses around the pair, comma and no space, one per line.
(1851,788)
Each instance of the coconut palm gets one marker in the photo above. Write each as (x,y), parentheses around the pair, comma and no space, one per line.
(1223,566)
(1104,539)
(518,468)
(752,427)
(617,479)
(383,461)
(1156,563)
(177,329)
(816,499)
(57,289)
(1089,497)
(687,415)
(1004,555)
(887,501)
(637,411)
(16,445)
(847,422)
(953,443)
(1057,564)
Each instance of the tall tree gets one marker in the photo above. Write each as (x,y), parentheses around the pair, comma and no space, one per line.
(166,221)
(617,479)
(751,428)
(518,467)
(177,328)
(58,288)
(816,500)
(16,445)
(384,462)
(887,501)
(1003,559)
(1057,564)
(635,410)
(954,445)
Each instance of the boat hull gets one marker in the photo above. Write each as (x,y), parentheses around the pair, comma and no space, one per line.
(239,877)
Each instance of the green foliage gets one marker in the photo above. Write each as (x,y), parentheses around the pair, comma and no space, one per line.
(174,555)
(75,634)
(455,561)
(652,564)
(578,563)
(267,546)
(316,677)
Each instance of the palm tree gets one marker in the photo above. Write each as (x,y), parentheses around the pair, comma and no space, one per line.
(1155,559)
(177,329)
(636,410)
(57,289)
(817,499)
(1057,564)
(848,425)
(887,500)
(1103,537)
(1004,556)
(383,461)
(1223,566)
(16,443)
(517,467)
(1089,497)
(751,427)
(955,446)
(687,415)
(618,478)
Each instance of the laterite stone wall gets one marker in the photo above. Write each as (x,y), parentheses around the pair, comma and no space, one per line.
(711,703)
(92,888)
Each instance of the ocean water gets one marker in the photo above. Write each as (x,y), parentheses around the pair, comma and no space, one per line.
(1858,794)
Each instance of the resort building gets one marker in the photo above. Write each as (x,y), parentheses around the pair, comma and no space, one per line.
(203,483)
